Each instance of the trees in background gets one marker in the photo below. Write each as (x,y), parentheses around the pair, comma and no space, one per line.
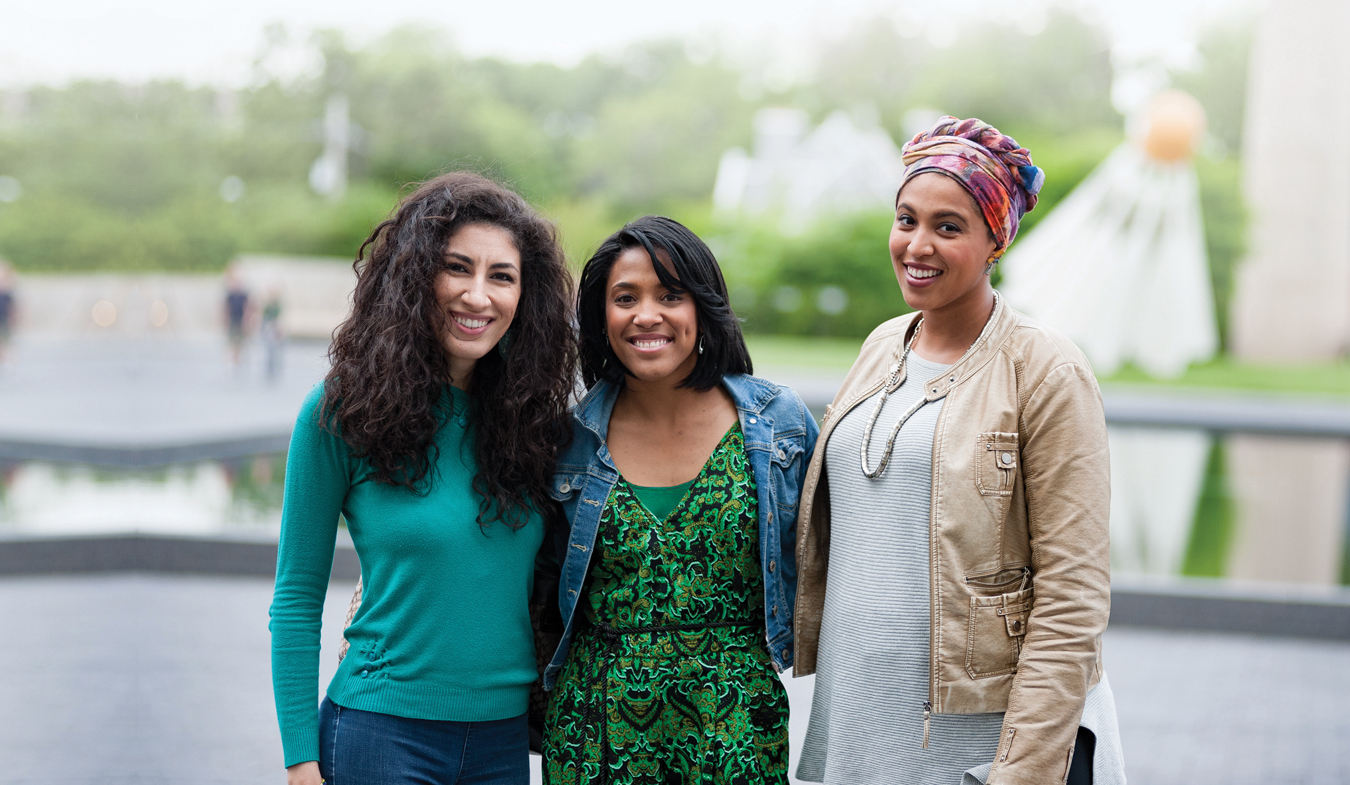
(168,176)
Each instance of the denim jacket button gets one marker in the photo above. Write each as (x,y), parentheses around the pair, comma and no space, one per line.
(772,565)
(782,456)
(753,421)
(565,487)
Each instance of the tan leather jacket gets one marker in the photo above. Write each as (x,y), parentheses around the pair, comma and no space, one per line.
(1020,587)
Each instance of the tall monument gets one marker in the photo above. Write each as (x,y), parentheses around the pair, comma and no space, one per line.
(1292,301)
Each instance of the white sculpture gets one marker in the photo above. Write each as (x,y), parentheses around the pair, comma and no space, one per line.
(843,165)
(1120,264)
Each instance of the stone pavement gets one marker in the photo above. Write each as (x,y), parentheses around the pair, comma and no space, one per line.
(130,679)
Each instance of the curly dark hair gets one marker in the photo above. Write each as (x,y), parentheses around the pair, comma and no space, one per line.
(695,271)
(389,368)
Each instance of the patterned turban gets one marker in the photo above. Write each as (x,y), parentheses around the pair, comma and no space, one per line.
(992,167)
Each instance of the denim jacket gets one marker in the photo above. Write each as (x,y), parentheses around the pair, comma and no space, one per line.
(779,437)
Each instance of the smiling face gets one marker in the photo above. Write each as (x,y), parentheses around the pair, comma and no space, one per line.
(940,244)
(653,331)
(477,289)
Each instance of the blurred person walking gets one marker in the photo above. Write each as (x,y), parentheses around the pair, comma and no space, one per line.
(953,563)
(274,339)
(681,486)
(434,436)
(236,312)
(6,308)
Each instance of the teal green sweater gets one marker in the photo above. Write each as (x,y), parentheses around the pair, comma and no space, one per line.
(443,632)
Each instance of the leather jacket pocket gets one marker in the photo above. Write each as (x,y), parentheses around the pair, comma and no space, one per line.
(997,628)
(996,462)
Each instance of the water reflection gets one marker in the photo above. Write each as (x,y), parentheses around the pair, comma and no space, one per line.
(1239,506)
(1184,503)
(240,497)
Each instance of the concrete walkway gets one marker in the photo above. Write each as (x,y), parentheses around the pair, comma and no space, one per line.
(163,679)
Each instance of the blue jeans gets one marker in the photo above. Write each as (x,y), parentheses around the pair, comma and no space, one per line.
(367,748)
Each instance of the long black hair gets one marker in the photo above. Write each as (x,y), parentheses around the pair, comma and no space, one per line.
(695,271)
(389,367)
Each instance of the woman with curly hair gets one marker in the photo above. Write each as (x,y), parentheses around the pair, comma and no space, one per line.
(681,488)
(434,435)
(952,554)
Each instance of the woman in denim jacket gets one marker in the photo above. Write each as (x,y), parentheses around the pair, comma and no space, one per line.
(677,576)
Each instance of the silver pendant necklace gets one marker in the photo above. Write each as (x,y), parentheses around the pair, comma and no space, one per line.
(893,382)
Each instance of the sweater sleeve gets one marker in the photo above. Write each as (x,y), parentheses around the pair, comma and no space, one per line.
(317,479)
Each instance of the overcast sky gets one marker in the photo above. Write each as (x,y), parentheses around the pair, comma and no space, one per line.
(214,41)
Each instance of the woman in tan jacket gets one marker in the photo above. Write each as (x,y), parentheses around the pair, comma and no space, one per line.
(957,501)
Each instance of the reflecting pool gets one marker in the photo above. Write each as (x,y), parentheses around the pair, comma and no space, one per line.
(1184,503)
(1240,506)
(235,497)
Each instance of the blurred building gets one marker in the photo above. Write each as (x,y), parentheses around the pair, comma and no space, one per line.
(847,163)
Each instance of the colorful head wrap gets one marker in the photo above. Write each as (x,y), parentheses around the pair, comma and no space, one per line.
(992,167)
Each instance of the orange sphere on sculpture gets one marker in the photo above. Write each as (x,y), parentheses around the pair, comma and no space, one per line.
(1174,127)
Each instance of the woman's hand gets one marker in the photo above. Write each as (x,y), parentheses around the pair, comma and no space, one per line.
(306,773)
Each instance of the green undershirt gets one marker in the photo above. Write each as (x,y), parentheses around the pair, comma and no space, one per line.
(661,500)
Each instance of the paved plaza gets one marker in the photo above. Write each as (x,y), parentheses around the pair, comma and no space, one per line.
(129,679)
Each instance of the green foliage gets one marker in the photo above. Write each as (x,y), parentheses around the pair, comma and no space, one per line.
(777,281)
(1057,80)
(1225,217)
(1324,379)
(128,177)
(664,144)
(1220,81)
(1212,530)
(287,218)
(836,354)
(55,233)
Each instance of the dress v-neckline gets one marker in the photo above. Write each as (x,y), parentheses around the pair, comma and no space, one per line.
(693,484)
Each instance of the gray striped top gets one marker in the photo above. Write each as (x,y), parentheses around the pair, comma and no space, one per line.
(866,722)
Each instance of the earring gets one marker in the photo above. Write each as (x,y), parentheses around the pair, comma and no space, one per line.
(989,268)
(605,334)
(700,343)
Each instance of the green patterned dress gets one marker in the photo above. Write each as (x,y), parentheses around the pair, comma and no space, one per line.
(671,653)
